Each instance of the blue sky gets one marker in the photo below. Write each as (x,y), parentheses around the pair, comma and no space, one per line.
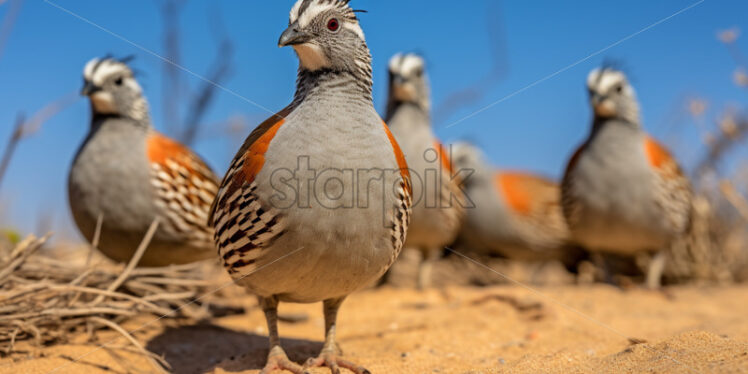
(535,129)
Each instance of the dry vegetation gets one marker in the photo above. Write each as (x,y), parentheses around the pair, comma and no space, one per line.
(48,300)
(717,247)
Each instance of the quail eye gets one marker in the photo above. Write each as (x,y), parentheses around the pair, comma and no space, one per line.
(333,24)
(619,88)
(118,81)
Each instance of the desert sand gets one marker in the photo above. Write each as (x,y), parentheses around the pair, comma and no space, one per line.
(500,329)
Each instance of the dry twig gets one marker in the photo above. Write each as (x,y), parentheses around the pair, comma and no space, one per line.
(8,22)
(46,300)
(24,128)
(187,131)
(735,198)
(732,133)
(498,72)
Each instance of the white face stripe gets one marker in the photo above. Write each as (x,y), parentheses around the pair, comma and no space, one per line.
(410,64)
(355,28)
(315,9)
(88,70)
(294,15)
(394,64)
(133,85)
(406,65)
(602,84)
(97,71)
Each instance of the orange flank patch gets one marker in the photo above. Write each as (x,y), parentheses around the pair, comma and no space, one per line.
(657,155)
(159,148)
(400,157)
(254,157)
(446,162)
(511,186)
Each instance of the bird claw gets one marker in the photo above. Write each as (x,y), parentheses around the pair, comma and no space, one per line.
(331,360)
(277,360)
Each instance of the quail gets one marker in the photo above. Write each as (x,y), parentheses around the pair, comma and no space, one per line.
(623,193)
(438,201)
(125,175)
(516,215)
(316,203)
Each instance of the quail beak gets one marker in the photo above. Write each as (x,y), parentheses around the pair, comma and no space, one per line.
(89,89)
(293,36)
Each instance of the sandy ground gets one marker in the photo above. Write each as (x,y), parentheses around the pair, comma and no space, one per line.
(501,329)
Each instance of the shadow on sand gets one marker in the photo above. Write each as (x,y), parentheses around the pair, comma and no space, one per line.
(201,348)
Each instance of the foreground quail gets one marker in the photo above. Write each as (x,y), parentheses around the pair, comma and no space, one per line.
(517,215)
(437,199)
(623,193)
(316,203)
(128,175)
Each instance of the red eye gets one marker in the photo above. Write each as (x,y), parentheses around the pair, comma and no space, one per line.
(333,24)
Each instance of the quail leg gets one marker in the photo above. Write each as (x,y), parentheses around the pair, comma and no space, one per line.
(425,269)
(330,354)
(277,359)
(601,262)
(655,269)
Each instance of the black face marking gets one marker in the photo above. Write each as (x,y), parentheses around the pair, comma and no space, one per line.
(341,4)
(113,61)
(304,6)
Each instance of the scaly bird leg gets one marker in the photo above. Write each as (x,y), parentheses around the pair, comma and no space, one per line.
(277,359)
(329,356)
(426,268)
(655,269)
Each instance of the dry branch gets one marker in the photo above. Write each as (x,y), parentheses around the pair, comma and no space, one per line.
(187,131)
(25,128)
(220,71)
(45,300)
(172,84)
(735,198)
(732,133)
(6,26)
(498,71)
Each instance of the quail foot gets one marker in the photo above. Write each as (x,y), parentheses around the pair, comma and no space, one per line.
(316,203)
(623,193)
(125,175)
(516,214)
(438,202)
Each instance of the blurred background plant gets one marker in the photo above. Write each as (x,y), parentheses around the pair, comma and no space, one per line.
(718,247)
